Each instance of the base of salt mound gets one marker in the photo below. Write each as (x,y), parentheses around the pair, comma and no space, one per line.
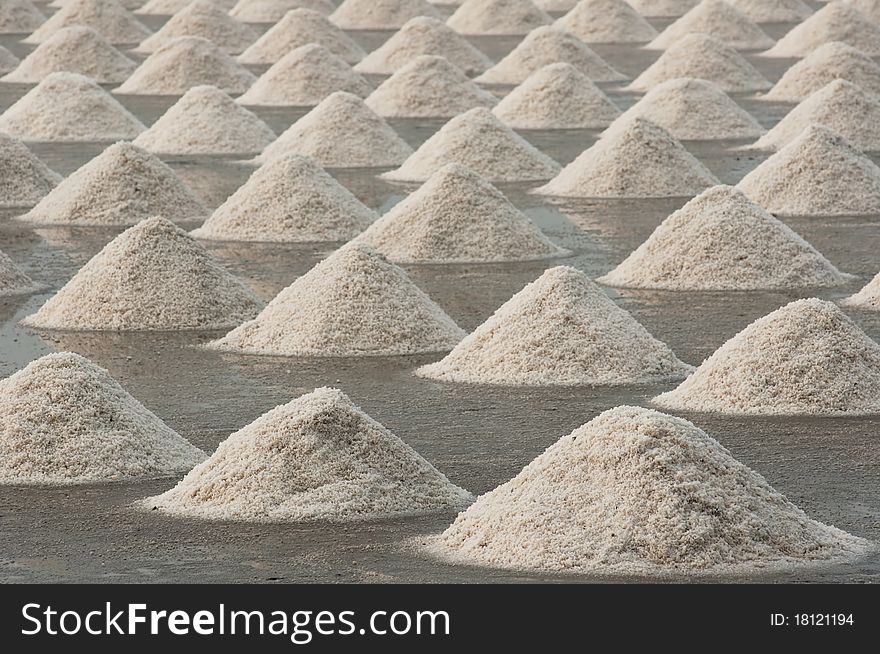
(497,17)
(719,19)
(26,179)
(825,64)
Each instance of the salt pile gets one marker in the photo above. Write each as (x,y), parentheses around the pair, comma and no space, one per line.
(557,96)
(424,36)
(121,186)
(457,217)
(271,11)
(773,11)
(354,303)
(24,179)
(477,140)
(719,19)
(298,28)
(560,330)
(379,14)
(74,49)
(183,63)
(497,17)
(806,358)
(65,420)
(153,276)
(722,241)
(107,17)
(638,492)
(19,17)
(827,63)
(171,7)
(341,132)
(663,8)
(318,457)
(69,107)
(13,281)
(288,200)
(870,8)
(544,46)
(202,18)
(206,121)
(606,21)
(702,56)
(836,21)
(8,61)
(304,77)
(428,86)
(637,159)
(816,174)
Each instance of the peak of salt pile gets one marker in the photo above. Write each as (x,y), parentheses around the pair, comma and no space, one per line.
(153,276)
(457,217)
(271,11)
(638,492)
(202,18)
(298,28)
(836,21)
(206,121)
(513,17)
(701,56)
(663,8)
(424,36)
(19,17)
(65,420)
(318,457)
(557,96)
(722,241)
(186,62)
(69,107)
(304,77)
(719,19)
(426,87)
(24,179)
(171,7)
(827,63)
(816,174)
(637,159)
(477,140)
(8,61)
(606,21)
(544,46)
(379,14)
(560,330)
(806,358)
(288,200)
(107,17)
(13,281)
(353,303)
(773,11)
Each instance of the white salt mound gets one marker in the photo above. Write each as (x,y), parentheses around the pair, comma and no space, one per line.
(69,107)
(477,140)
(722,241)
(153,276)
(806,358)
(870,8)
(606,21)
(19,17)
(13,281)
(637,159)
(341,132)
(557,96)
(773,11)
(457,217)
(206,121)
(868,298)
(107,17)
(65,420)
(497,17)
(816,174)
(318,457)
(836,21)
(544,46)
(288,200)
(663,8)
(271,11)
(24,179)
(719,19)
(202,18)
(424,36)
(827,63)
(121,186)
(426,87)
(638,492)
(379,14)
(171,7)
(8,61)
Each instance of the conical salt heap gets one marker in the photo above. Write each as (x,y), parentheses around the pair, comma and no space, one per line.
(638,492)
(171,7)
(354,303)
(827,63)
(816,174)
(8,61)
(636,159)
(13,281)
(457,217)
(806,358)
(271,11)
(19,17)
(153,276)
(663,8)
(107,17)
(202,18)
(870,8)
(544,46)
(512,17)
(773,11)
(298,28)
(560,330)
(288,200)
(606,21)
(424,36)
(379,14)
(65,420)
(206,121)
(121,186)
(318,457)
(868,298)
(836,21)
(557,96)
(428,87)
(24,179)
(304,77)
(69,107)
(701,56)
(477,140)
(719,19)
(722,241)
